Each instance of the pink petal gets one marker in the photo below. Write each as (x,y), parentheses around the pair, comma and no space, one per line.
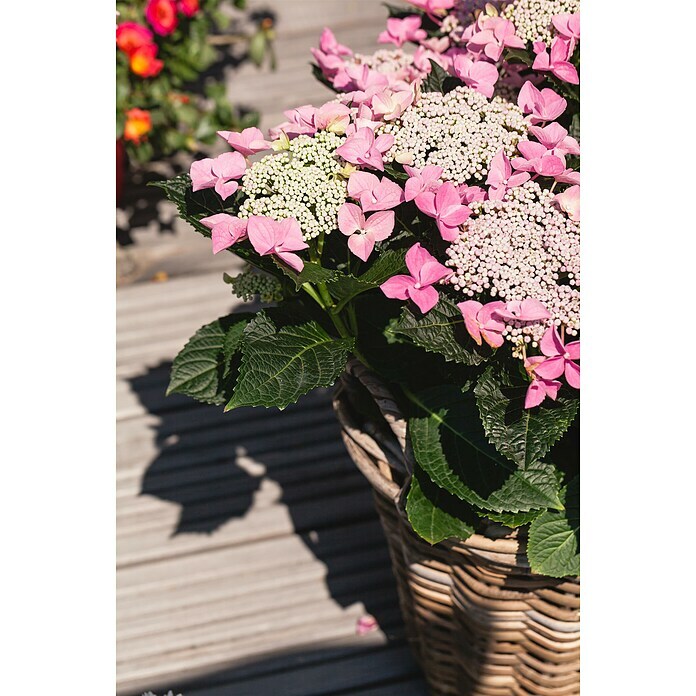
(360,182)
(572,374)
(289,236)
(470,310)
(229,165)
(201,174)
(488,316)
(551,344)
(566,72)
(416,258)
(535,394)
(432,272)
(518,178)
(573,350)
(263,234)
(492,338)
(449,234)
(426,298)
(225,188)
(551,368)
(396,288)
(426,203)
(380,225)
(361,245)
(292,260)
(350,219)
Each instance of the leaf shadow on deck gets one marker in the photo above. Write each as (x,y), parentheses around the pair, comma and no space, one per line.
(221,467)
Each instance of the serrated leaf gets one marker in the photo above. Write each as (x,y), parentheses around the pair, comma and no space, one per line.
(432,512)
(434,81)
(203,369)
(553,547)
(450,445)
(522,435)
(513,519)
(192,206)
(344,288)
(260,326)
(441,331)
(276,370)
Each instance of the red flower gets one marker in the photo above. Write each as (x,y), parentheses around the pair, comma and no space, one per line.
(189,8)
(161,14)
(138,125)
(143,61)
(130,36)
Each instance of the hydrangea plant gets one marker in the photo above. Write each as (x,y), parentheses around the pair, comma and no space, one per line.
(425,221)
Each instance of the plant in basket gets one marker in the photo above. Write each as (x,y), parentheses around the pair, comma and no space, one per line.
(425,222)
(163,49)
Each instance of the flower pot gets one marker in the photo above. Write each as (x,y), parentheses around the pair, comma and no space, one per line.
(478,620)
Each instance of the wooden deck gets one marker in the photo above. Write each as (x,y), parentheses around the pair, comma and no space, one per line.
(248,547)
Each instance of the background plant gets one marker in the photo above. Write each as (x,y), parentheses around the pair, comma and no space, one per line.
(164,102)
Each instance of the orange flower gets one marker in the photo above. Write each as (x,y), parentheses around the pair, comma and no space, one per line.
(138,125)
(143,61)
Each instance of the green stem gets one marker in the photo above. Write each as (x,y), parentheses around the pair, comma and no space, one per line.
(309,289)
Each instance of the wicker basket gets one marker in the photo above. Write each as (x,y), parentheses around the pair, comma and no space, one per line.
(479,622)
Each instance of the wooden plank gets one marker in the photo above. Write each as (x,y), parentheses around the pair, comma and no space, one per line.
(324,677)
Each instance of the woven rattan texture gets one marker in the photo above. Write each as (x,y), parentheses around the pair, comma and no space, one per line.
(479,621)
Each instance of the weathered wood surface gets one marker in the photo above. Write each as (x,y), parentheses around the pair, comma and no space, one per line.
(248,546)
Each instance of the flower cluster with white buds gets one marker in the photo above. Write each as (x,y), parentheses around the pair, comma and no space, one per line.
(249,284)
(304,182)
(389,62)
(532,18)
(460,131)
(522,247)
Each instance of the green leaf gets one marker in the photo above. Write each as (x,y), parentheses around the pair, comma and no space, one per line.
(311,273)
(553,547)
(203,369)
(441,331)
(276,370)
(522,435)
(513,519)
(449,444)
(425,507)
(260,326)
(435,80)
(178,190)
(520,55)
(344,288)
(398,12)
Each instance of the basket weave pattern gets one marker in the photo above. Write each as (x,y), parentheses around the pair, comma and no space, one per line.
(478,620)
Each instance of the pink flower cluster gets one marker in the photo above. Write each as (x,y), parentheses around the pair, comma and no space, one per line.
(520,284)
(473,53)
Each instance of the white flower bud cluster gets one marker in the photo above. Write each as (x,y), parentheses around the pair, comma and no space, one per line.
(520,248)
(532,18)
(385,61)
(303,182)
(460,131)
(249,284)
